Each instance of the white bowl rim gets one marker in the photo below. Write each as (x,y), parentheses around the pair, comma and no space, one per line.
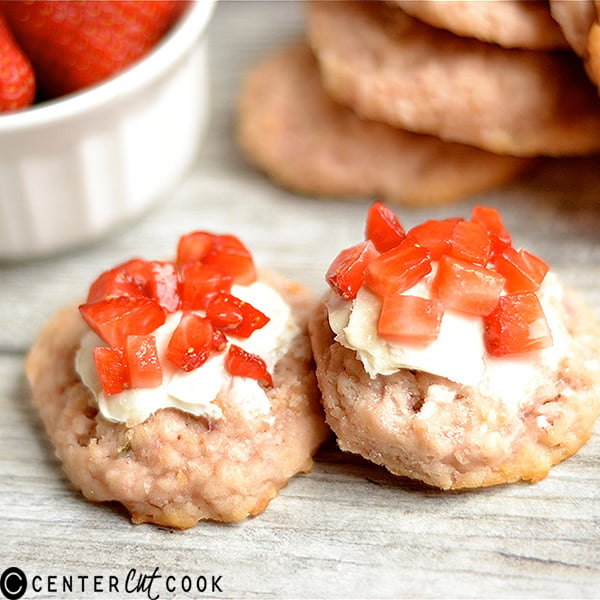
(169,50)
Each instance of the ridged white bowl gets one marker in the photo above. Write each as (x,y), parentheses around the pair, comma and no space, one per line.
(73,169)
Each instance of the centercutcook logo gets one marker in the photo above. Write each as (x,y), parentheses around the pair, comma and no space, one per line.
(14,583)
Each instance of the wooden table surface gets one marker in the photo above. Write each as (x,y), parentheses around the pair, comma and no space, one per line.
(348,529)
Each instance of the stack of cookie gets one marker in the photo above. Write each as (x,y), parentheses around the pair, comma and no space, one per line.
(417,103)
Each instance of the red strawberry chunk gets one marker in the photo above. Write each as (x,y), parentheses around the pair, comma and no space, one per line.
(199,283)
(111,366)
(245,364)
(113,284)
(113,319)
(383,227)
(346,273)
(192,342)
(491,220)
(142,361)
(435,235)
(470,242)
(397,270)
(467,287)
(523,271)
(410,318)
(235,316)
(229,255)
(193,247)
(517,325)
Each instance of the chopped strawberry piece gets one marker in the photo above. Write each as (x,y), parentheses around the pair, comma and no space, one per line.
(164,284)
(470,242)
(523,271)
(466,286)
(435,235)
(346,273)
(397,270)
(192,342)
(111,366)
(410,318)
(113,319)
(383,227)
(229,255)
(194,246)
(142,361)
(199,283)
(113,284)
(490,219)
(235,316)
(244,364)
(517,325)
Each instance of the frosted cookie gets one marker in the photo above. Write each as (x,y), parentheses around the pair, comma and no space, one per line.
(509,23)
(291,129)
(390,67)
(448,356)
(182,390)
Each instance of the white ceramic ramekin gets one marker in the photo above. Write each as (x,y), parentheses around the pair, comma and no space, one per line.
(73,169)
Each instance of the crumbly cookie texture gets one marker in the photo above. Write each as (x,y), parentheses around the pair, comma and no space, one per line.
(510,23)
(451,437)
(290,128)
(175,469)
(392,68)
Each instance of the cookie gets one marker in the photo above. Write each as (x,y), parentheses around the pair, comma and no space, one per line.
(179,465)
(291,129)
(579,20)
(390,67)
(493,399)
(511,23)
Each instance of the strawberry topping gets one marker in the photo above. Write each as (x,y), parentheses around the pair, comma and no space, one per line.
(127,303)
(474,269)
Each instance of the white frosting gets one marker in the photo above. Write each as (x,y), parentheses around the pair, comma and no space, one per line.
(459,352)
(195,391)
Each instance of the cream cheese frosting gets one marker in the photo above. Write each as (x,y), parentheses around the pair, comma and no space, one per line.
(459,352)
(195,391)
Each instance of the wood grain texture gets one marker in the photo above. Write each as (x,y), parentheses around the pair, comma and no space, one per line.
(348,529)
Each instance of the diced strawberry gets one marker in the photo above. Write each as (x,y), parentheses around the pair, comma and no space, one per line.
(164,284)
(435,235)
(229,255)
(244,364)
(523,271)
(410,318)
(397,270)
(192,343)
(142,361)
(112,284)
(193,247)
(383,227)
(517,325)
(235,316)
(199,283)
(470,242)
(113,319)
(466,286)
(346,274)
(491,220)
(111,366)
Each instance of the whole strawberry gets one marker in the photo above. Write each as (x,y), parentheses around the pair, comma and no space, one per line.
(17,81)
(73,44)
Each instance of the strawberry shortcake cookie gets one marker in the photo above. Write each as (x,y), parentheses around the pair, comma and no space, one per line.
(450,356)
(184,390)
